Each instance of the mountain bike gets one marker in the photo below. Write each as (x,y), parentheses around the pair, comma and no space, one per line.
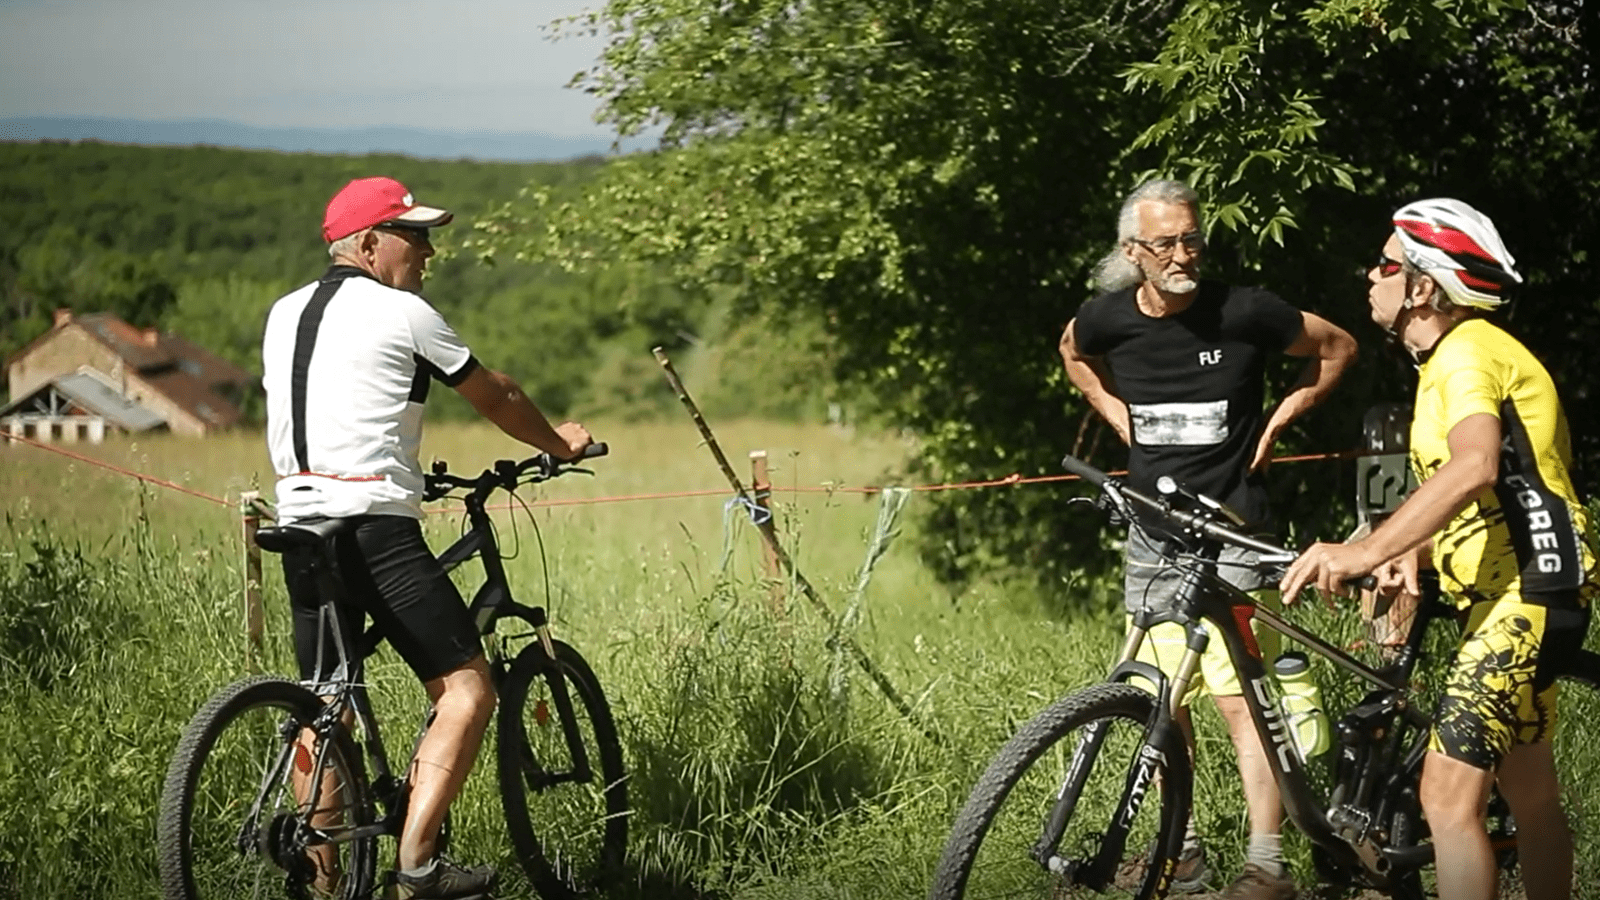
(280,788)
(1091,796)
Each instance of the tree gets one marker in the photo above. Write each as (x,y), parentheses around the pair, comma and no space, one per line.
(934,178)
(1490,102)
(63,269)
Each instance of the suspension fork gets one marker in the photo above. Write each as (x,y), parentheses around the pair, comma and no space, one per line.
(560,695)
(1144,773)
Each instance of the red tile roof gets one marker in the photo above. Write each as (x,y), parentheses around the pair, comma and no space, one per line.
(186,373)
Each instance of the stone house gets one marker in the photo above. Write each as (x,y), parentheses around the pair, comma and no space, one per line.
(93,372)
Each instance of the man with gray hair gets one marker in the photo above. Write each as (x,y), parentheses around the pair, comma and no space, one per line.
(347,362)
(1176,364)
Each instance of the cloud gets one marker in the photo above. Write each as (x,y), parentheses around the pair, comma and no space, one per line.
(487,65)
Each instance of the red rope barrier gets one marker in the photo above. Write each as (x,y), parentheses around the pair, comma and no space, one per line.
(118,469)
(1012,479)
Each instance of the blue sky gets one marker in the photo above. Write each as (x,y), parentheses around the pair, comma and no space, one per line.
(448,65)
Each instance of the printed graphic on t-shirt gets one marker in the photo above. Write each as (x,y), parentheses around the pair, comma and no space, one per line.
(1179,424)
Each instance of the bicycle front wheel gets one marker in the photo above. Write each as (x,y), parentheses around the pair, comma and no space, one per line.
(1037,823)
(561,775)
(254,808)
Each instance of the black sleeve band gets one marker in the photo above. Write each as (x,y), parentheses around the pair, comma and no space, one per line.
(455,378)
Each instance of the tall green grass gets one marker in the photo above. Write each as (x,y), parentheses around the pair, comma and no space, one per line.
(764,764)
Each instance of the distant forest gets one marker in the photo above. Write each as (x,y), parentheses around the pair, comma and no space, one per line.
(201,240)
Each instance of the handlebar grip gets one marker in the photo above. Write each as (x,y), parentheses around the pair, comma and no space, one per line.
(1083,470)
(549,461)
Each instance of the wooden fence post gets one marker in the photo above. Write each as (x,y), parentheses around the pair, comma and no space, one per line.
(762,495)
(254,615)
(786,564)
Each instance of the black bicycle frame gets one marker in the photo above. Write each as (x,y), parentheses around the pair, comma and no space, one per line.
(1387,711)
(1203,596)
(490,603)
(493,602)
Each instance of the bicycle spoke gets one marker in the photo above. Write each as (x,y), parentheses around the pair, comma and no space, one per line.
(269,808)
(561,775)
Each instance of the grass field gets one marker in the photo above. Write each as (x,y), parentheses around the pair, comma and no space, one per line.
(764,765)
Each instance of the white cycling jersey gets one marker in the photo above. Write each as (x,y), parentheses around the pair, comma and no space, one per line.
(346,365)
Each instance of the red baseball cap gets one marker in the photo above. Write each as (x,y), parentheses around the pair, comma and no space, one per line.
(366,202)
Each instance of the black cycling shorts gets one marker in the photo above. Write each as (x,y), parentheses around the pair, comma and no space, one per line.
(389,574)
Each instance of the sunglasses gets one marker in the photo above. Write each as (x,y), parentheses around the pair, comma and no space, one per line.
(1386,266)
(411,233)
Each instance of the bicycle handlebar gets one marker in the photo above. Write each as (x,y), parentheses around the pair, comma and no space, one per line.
(505,473)
(1198,523)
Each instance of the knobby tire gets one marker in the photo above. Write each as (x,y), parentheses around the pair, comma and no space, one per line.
(569,836)
(1113,704)
(218,772)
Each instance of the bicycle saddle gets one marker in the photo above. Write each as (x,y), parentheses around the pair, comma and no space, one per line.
(305,533)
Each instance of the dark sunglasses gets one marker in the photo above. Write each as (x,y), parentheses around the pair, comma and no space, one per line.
(1386,266)
(409,232)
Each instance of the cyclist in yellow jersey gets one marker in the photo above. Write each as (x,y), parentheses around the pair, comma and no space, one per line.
(1497,514)
(1528,534)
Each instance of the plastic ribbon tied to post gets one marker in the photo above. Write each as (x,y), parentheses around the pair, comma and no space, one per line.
(890,502)
(759,516)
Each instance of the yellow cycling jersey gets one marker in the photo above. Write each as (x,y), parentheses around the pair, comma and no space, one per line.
(1530,535)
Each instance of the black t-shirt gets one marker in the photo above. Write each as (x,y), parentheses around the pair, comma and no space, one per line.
(1193,383)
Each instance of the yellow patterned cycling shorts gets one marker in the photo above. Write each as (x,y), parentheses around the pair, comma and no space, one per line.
(1501,690)
(1164,646)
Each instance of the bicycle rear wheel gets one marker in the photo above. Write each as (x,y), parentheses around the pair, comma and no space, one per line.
(562,780)
(1091,742)
(231,825)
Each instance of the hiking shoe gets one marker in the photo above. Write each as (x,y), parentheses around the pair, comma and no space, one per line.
(445,880)
(1255,883)
(1192,875)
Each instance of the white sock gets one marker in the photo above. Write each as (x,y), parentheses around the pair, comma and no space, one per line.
(1191,842)
(421,870)
(1266,851)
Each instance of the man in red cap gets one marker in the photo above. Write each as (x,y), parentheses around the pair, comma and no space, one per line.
(347,361)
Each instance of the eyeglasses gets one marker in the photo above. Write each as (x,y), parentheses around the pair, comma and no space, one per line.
(1386,266)
(1194,242)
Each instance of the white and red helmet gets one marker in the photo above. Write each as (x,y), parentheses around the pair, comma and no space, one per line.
(1459,248)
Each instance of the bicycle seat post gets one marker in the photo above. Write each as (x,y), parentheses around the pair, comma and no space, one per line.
(330,592)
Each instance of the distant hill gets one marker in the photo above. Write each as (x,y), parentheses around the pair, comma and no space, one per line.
(480,145)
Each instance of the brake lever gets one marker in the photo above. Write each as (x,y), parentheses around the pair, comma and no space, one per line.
(541,474)
(1110,507)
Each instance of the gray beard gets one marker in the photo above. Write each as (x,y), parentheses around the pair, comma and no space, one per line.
(1178,284)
